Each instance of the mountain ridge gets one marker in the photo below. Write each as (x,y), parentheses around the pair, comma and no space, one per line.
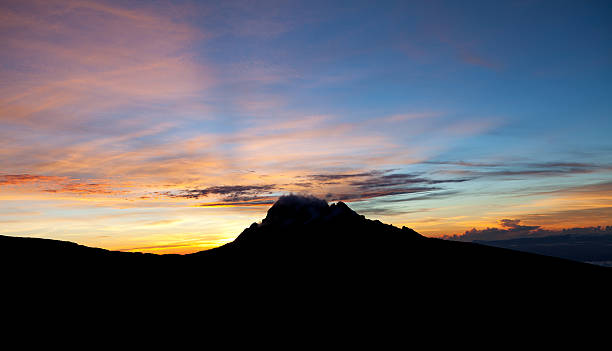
(302,240)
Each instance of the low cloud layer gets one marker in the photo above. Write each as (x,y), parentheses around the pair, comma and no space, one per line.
(512,229)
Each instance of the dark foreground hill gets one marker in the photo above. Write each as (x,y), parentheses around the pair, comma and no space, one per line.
(304,250)
(308,274)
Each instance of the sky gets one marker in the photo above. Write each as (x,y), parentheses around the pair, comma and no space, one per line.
(170,126)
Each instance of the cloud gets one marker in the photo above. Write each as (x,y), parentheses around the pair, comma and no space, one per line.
(566,165)
(154,153)
(512,229)
(378,211)
(86,189)
(389,180)
(56,184)
(464,163)
(440,37)
(300,201)
(365,195)
(341,176)
(429,196)
(401,179)
(241,203)
(510,223)
(75,60)
(539,172)
(513,224)
(600,188)
(520,170)
(347,186)
(231,192)
(226,195)
(583,216)
(379,184)
(380,178)
(19,179)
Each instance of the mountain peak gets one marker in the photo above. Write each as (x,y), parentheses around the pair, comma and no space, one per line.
(296,209)
(303,220)
(304,209)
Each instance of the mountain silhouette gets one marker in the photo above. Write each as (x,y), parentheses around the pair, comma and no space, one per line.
(300,226)
(303,250)
(309,237)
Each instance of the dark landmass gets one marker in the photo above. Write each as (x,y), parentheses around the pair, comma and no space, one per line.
(595,249)
(304,252)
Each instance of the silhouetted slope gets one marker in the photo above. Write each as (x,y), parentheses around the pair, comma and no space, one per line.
(306,267)
(303,236)
(57,263)
(303,226)
(303,241)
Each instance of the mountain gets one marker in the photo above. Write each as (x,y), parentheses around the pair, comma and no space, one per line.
(303,248)
(308,273)
(307,235)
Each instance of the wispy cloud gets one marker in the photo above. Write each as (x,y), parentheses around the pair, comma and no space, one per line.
(54,184)
(80,59)
(518,169)
(347,186)
(335,177)
(18,179)
(230,192)
(258,201)
(398,179)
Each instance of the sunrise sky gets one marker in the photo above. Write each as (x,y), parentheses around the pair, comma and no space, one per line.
(170,126)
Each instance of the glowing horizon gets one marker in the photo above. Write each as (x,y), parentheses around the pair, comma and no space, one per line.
(171,126)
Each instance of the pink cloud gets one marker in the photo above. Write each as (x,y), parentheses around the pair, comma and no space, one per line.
(78,58)
(57,184)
